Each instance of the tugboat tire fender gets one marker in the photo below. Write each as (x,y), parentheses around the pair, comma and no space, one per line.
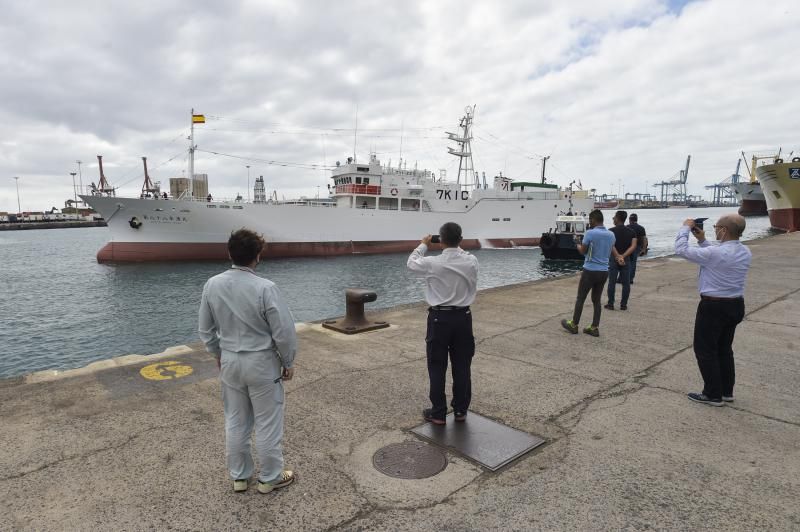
(796,159)
(547,242)
(778,161)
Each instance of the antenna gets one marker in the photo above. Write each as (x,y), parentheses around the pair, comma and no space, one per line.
(355,135)
(402,127)
(544,164)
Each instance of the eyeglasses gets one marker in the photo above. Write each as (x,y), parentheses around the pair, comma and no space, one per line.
(720,227)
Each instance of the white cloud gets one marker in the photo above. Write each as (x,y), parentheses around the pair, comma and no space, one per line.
(613,90)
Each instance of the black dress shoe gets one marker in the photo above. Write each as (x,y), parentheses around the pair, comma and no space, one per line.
(429,417)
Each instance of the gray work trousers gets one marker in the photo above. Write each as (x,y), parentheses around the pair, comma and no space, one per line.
(252,399)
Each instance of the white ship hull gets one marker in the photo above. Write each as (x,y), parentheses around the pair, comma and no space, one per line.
(750,198)
(193,230)
(374,209)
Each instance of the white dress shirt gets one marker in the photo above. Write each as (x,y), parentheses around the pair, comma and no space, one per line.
(451,278)
(723,267)
(242,312)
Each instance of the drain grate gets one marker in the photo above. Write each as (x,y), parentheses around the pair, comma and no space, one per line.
(410,460)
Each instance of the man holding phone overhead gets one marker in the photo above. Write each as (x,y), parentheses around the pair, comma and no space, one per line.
(451,281)
(723,272)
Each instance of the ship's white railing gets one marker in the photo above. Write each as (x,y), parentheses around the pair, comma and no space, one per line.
(236,201)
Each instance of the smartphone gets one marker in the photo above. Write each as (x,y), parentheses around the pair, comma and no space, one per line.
(435,239)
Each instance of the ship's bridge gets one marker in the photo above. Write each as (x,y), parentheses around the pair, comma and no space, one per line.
(373,186)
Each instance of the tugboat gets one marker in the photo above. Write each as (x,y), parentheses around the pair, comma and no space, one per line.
(561,243)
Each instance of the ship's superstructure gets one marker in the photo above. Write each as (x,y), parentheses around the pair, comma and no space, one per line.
(373,208)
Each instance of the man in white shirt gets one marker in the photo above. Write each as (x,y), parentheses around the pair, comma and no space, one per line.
(247,326)
(451,281)
(723,272)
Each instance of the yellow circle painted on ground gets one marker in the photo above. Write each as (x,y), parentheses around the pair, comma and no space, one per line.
(162,371)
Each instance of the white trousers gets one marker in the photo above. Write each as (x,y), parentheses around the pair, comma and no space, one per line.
(252,399)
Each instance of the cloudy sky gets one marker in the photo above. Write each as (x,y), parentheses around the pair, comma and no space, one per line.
(616,92)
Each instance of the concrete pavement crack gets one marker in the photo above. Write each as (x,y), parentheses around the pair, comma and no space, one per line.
(772,323)
(537,365)
(729,405)
(355,371)
(115,446)
(381,509)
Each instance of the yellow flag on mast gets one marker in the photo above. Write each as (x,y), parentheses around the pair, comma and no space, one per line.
(198,119)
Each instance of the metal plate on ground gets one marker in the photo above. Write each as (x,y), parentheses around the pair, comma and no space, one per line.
(410,460)
(487,442)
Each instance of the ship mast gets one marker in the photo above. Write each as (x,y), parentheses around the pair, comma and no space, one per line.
(464,151)
(191,157)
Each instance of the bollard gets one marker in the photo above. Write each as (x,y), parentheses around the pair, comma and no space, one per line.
(354,321)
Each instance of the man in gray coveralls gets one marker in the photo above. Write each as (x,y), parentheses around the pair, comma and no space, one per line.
(247,326)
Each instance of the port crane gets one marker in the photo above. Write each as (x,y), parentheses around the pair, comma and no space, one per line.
(674,189)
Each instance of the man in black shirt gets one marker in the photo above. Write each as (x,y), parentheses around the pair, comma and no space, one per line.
(619,263)
(641,242)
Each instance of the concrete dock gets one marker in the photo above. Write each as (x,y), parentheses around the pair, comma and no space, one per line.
(116,446)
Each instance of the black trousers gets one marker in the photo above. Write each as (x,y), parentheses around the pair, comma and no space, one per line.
(714,328)
(450,334)
(590,281)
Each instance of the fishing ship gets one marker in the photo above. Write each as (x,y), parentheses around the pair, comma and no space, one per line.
(372,208)
(780,181)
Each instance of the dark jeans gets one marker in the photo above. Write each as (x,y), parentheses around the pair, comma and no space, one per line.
(590,281)
(634,258)
(623,273)
(714,328)
(450,334)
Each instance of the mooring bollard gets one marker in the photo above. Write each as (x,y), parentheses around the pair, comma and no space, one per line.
(354,321)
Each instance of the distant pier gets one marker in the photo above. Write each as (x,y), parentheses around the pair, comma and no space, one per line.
(21,226)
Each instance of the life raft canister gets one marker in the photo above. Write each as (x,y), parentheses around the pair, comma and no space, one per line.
(135,223)
(547,241)
(393,192)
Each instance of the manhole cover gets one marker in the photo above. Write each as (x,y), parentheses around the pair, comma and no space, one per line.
(409,460)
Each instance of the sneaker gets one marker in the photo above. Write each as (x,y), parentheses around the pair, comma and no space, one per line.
(283,480)
(623,307)
(429,417)
(459,415)
(703,399)
(591,330)
(240,485)
(727,398)
(570,325)
(609,306)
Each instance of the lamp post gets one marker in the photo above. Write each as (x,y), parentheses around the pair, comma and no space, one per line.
(248,183)
(19,209)
(80,176)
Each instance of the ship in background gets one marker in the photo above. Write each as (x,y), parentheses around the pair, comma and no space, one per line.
(780,181)
(748,193)
(372,209)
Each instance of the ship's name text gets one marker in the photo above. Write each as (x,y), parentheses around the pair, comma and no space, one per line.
(452,194)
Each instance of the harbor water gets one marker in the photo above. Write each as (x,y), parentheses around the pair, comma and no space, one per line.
(61,309)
